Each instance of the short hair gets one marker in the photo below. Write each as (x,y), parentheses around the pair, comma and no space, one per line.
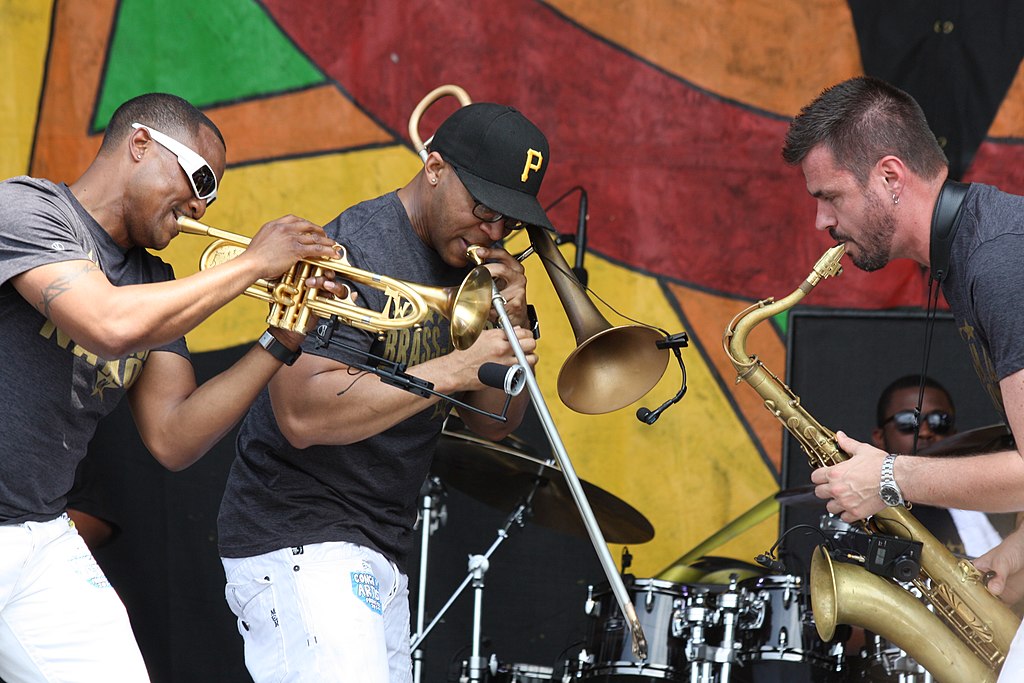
(905,382)
(862,120)
(167,113)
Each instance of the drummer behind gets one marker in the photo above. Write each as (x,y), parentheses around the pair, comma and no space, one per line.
(316,522)
(965,532)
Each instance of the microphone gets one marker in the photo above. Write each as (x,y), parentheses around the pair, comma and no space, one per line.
(649,416)
(509,378)
(770,563)
(673,342)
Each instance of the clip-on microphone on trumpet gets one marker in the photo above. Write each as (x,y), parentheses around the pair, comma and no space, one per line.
(675,342)
(393,373)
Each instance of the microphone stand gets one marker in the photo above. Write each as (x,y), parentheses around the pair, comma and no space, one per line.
(573,481)
(432,503)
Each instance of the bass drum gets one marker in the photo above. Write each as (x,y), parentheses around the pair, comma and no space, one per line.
(610,642)
(779,641)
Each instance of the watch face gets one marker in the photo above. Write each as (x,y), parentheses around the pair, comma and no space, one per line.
(889,495)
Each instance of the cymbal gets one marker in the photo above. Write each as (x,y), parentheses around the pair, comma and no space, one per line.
(503,474)
(981,440)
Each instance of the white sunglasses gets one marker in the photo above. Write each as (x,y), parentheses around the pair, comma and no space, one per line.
(199,173)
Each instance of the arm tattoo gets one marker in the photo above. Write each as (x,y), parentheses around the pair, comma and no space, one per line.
(62,284)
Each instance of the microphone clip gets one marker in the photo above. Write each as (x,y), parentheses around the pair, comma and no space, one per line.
(679,340)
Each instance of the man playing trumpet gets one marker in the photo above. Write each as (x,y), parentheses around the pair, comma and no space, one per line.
(90,316)
(316,522)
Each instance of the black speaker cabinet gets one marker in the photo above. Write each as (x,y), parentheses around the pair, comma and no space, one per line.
(839,362)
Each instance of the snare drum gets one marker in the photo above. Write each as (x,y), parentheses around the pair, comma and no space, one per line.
(778,634)
(611,643)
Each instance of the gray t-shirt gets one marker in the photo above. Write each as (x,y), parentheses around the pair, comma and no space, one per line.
(280,496)
(55,391)
(986,281)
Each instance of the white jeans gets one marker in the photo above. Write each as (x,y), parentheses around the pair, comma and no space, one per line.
(321,613)
(1013,667)
(60,621)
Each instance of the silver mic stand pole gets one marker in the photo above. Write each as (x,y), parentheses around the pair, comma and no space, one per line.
(571,479)
(431,514)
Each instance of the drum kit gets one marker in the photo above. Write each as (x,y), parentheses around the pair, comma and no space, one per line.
(706,619)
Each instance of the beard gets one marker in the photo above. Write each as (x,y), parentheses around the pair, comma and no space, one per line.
(875,243)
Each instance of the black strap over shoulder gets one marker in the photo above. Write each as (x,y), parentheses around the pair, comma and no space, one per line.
(945,221)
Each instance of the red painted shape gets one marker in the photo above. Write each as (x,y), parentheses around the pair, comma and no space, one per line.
(681,183)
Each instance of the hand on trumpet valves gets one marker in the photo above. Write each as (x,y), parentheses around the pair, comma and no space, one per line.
(510,278)
(851,487)
(281,243)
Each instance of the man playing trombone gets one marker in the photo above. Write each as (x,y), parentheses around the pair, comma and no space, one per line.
(90,316)
(316,521)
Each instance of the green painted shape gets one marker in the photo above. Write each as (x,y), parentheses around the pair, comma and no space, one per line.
(207,51)
(782,322)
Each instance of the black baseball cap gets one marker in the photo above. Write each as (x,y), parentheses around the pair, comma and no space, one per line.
(499,156)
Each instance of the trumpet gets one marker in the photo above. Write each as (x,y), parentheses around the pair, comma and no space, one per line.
(292,303)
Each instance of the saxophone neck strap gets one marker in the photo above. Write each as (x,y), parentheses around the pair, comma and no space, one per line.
(945,221)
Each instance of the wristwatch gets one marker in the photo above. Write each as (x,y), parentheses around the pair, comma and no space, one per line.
(278,350)
(888,489)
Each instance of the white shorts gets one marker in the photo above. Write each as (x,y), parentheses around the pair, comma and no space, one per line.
(321,613)
(59,618)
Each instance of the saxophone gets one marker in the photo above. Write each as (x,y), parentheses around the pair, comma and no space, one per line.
(960,632)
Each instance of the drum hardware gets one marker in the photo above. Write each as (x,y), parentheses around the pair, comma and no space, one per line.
(477,568)
(883,661)
(692,619)
(433,515)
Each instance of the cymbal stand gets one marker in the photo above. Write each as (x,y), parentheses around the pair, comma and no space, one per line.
(573,482)
(431,518)
(478,565)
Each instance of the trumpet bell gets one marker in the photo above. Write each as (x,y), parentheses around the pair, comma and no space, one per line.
(612,369)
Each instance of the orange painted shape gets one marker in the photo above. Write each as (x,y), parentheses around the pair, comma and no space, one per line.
(708,316)
(294,124)
(81,31)
(764,53)
(1009,121)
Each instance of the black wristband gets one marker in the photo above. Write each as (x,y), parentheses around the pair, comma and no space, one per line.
(278,350)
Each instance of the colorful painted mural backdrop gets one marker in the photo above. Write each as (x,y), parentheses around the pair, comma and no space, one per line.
(669,113)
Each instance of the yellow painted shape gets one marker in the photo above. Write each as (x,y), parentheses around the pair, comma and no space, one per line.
(317,188)
(24,39)
(693,471)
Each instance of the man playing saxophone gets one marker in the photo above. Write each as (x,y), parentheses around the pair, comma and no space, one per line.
(879,180)
(317,518)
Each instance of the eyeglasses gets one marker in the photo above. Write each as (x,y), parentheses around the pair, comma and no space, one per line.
(905,421)
(199,173)
(489,215)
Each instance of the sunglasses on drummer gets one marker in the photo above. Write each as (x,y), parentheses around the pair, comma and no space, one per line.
(199,173)
(905,421)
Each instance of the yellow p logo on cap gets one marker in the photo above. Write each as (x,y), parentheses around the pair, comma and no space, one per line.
(534,160)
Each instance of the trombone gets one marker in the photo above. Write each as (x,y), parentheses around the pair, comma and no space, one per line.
(292,302)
